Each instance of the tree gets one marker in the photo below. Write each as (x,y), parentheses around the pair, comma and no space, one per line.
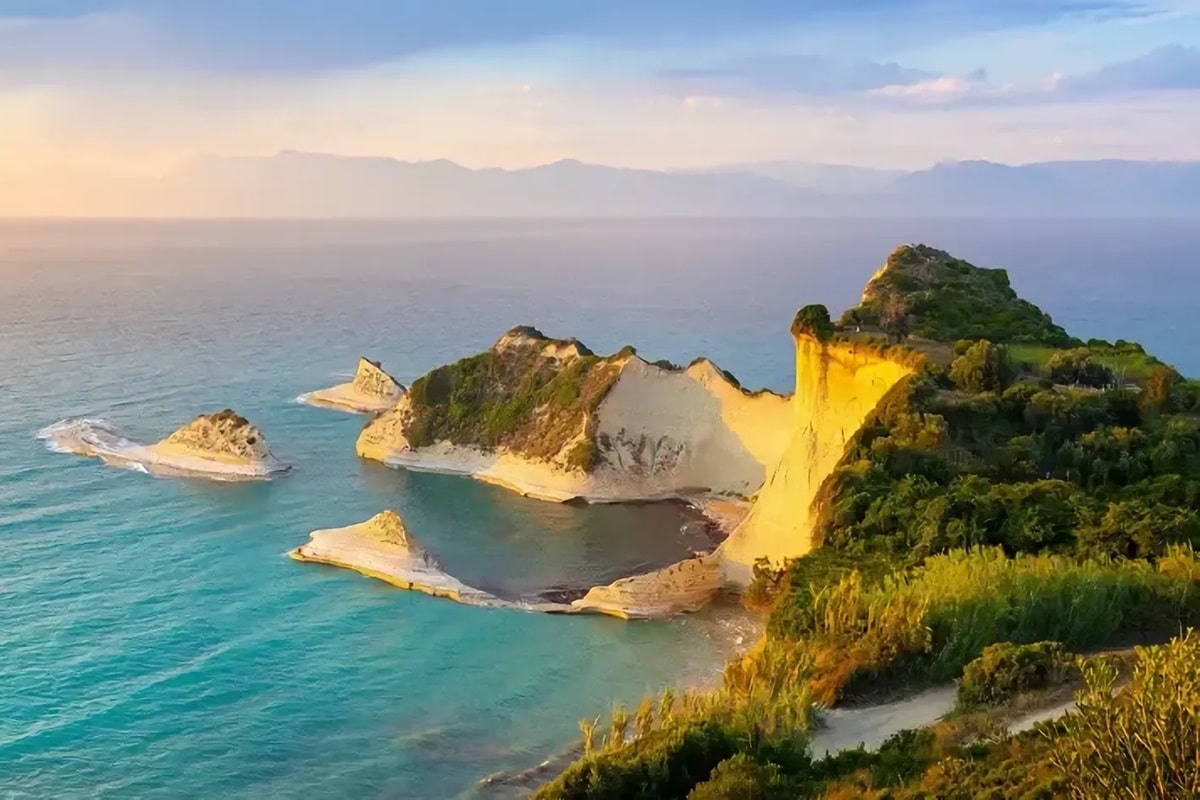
(1077,367)
(984,367)
(1159,392)
(813,320)
(893,317)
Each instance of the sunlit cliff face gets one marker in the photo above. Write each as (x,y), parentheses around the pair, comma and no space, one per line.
(838,385)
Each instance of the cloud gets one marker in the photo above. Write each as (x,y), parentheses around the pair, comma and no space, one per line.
(794,74)
(1172,66)
(336,34)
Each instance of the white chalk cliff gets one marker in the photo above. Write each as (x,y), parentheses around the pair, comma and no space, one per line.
(220,446)
(838,386)
(655,432)
(372,390)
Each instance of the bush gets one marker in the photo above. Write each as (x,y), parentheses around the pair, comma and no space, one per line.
(740,778)
(668,763)
(1077,367)
(814,321)
(983,367)
(1006,669)
(1145,741)
(1158,393)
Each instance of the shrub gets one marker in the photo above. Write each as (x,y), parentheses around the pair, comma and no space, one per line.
(1006,669)
(1158,393)
(740,778)
(1145,741)
(814,321)
(1077,367)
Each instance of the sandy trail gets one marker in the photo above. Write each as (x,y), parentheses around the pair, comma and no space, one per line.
(847,728)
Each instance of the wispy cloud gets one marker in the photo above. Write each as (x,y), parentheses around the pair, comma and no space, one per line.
(1172,66)
(333,34)
(791,74)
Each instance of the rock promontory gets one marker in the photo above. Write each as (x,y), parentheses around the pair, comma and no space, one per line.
(382,548)
(222,446)
(372,390)
(550,419)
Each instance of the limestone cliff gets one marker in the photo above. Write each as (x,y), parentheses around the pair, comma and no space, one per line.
(371,391)
(382,548)
(221,446)
(550,419)
(838,385)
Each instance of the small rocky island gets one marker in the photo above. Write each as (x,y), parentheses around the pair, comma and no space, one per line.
(371,391)
(220,446)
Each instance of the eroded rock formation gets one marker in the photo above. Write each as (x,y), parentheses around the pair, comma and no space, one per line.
(220,446)
(559,423)
(371,391)
(838,385)
(382,548)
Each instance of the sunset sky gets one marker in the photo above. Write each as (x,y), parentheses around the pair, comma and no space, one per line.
(137,87)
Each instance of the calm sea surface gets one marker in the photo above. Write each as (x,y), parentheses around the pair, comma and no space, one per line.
(156,642)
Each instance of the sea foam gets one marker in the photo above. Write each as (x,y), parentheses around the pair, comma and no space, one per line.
(100,438)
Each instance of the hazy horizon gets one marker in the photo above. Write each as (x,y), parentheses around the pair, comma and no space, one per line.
(97,94)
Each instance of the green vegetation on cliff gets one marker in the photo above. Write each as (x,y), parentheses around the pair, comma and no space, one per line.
(1022,488)
(516,395)
(929,293)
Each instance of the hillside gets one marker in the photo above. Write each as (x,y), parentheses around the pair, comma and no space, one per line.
(975,501)
(927,292)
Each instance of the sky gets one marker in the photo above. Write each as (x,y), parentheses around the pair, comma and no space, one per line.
(97,89)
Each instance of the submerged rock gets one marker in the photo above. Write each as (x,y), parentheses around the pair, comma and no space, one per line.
(371,391)
(220,446)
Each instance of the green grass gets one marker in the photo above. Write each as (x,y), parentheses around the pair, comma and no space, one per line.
(1126,364)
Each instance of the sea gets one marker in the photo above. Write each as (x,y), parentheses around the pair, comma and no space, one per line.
(156,642)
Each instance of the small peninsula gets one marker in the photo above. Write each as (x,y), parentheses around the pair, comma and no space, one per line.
(219,446)
(372,390)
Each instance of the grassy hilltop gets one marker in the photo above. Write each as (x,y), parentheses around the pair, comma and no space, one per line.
(1024,497)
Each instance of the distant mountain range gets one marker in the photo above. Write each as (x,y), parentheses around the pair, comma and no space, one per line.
(294,184)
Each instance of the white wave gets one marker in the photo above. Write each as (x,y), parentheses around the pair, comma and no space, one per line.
(101,439)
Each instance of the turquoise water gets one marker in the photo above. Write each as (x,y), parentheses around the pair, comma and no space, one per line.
(156,642)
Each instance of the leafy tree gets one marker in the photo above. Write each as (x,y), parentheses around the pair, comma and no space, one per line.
(813,320)
(1158,393)
(983,367)
(1077,367)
